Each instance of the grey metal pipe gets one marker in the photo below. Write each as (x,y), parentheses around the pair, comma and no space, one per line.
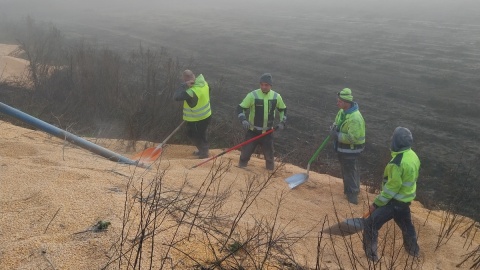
(65,135)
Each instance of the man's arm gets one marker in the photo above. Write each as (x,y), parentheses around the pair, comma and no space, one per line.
(245,105)
(353,133)
(185,93)
(282,109)
(241,113)
(181,93)
(391,188)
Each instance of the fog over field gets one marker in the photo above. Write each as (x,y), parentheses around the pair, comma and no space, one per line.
(461,11)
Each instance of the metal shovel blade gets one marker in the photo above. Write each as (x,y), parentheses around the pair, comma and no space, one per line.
(352,225)
(296,180)
(347,227)
(356,223)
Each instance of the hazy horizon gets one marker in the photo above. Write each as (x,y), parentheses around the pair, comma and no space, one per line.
(461,11)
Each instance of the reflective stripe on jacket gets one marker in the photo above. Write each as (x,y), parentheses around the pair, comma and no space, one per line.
(262,109)
(351,127)
(400,178)
(202,110)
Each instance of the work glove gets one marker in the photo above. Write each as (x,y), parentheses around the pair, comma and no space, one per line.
(246,124)
(334,133)
(283,124)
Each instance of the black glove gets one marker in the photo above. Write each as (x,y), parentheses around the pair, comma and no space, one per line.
(246,124)
(283,124)
(334,133)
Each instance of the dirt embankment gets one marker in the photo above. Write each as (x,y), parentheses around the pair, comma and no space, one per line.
(12,69)
(51,191)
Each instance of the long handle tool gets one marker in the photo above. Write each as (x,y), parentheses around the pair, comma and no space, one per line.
(237,146)
(300,178)
(152,153)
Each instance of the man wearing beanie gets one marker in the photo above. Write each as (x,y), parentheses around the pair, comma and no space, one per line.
(260,105)
(195,94)
(398,190)
(348,132)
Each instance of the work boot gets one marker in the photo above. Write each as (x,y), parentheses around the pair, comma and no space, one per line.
(370,250)
(242,164)
(412,248)
(372,257)
(202,155)
(270,166)
(352,198)
(414,252)
(196,153)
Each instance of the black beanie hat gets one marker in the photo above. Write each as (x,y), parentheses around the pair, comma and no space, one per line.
(266,78)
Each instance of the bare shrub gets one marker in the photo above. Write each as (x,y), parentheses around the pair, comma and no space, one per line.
(473,256)
(165,227)
(43,46)
(83,82)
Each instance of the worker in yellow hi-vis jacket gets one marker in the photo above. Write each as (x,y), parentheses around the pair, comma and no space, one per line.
(261,104)
(348,132)
(195,94)
(398,190)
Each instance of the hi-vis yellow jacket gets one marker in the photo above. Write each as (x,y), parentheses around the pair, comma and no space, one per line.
(351,130)
(202,110)
(262,109)
(400,178)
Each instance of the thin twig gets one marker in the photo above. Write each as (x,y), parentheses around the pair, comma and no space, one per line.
(44,254)
(52,220)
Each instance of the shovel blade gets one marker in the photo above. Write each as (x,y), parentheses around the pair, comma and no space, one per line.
(296,180)
(148,155)
(347,227)
(354,224)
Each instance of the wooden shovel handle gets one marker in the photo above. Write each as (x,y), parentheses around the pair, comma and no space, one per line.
(367,214)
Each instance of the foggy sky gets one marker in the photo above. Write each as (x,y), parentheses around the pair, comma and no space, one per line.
(455,11)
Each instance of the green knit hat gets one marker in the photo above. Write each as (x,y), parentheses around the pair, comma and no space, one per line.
(346,95)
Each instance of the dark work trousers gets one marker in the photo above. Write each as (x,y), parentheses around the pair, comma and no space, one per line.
(350,175)
(400,212)
(197,132)
(266,142)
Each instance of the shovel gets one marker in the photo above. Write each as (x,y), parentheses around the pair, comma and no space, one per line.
(348,226)
(299,178)
(152,153)
(237,146)
(354,225)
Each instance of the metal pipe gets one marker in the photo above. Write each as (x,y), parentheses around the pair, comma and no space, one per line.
(65,135)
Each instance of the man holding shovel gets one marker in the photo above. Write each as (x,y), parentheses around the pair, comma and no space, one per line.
(399,187)
(348,132)
(261,105)
(195,94)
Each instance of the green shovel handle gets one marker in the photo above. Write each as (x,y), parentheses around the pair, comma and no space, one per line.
(319,150)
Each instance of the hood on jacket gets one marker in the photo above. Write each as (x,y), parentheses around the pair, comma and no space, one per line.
(352,109)
(200,81)
(402,139)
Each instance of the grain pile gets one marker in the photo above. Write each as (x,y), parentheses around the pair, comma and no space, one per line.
(12,69)
(50,192)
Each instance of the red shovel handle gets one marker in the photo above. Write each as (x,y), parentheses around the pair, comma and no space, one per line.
(236,147)
(368,213)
